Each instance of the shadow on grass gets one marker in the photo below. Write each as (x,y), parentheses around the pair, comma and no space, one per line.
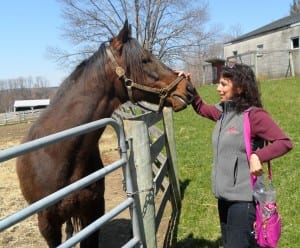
(189,241)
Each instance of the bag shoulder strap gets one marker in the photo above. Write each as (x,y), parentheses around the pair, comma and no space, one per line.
(247,141)
(247,134)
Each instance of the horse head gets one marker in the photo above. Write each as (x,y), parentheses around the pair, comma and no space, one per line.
(144,76)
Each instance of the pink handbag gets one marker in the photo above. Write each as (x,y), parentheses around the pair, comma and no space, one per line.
(267,226)
(267,230)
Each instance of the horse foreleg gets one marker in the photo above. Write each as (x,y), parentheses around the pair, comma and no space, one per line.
(51,230)
(69,228)
(93,240)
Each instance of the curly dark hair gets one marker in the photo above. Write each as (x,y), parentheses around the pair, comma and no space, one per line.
(243,78)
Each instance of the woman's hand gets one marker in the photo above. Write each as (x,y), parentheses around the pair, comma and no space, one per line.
(182,73)
(188,77)
(256,167)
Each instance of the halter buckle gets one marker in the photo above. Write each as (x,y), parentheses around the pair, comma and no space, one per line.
(120,71)
(163,92)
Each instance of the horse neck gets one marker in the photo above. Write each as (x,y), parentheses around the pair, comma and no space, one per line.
(91,100)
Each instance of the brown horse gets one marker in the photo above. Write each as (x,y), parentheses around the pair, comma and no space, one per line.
(92,91)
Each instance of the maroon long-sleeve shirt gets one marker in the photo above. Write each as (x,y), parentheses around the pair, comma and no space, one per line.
(261,124)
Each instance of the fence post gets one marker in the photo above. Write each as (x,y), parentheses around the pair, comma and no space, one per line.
(171,154)
(140,163)
(291,61)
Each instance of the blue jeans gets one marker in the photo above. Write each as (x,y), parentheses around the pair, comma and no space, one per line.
(236,219)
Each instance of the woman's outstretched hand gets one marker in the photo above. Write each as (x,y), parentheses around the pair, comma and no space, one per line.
(182,73)
(188,77)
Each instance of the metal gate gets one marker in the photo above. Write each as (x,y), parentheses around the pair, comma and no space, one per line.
(57,196)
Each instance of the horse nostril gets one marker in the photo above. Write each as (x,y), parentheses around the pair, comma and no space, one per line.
(190,88)
(190,98)
(190,93)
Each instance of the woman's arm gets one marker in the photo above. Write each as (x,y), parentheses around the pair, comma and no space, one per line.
(205,110)
(263,126)
(201,108)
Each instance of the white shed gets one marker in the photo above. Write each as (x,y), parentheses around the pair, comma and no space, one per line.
(23,105)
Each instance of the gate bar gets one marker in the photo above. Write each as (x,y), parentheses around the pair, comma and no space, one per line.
(58,195)
(96,224)
(62,135)
(56,137)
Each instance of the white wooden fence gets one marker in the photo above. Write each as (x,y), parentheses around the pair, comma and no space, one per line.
(19,117)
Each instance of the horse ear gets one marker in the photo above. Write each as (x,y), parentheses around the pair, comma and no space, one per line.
(122,37)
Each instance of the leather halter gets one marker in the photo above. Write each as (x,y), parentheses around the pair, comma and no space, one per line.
(163,93)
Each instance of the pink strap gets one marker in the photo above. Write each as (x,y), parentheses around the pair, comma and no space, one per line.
(247,141)
(247,136)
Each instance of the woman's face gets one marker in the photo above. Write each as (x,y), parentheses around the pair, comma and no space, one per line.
(225,89)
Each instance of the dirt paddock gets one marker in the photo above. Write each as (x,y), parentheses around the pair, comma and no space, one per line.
(25,234)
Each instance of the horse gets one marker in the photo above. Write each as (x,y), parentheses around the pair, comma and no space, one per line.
(119,71)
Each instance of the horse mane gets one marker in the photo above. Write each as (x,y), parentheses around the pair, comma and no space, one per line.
(94,66)
(133,54)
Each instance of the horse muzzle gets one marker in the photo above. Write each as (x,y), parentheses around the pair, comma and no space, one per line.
(181,101)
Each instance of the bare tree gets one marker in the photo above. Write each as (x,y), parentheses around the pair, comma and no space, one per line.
(295,7)
(168,28)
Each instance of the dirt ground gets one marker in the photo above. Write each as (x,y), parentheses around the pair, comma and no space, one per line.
(115,234)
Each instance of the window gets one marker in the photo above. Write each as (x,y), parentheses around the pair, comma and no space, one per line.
(295,42)
(259,49)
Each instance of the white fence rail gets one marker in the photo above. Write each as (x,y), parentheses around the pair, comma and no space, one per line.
(19,117)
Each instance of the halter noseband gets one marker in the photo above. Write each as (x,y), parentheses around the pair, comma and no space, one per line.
(163,93)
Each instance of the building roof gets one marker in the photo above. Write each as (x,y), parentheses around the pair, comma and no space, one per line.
(282,23)
(31,103)
(215,61)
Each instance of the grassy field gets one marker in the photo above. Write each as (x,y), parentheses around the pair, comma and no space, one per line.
(199,225)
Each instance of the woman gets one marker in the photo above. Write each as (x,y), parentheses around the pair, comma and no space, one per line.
(231,184)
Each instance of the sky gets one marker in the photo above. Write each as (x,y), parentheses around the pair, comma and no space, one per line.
(28,28)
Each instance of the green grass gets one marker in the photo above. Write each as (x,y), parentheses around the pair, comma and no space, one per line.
(198,225)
